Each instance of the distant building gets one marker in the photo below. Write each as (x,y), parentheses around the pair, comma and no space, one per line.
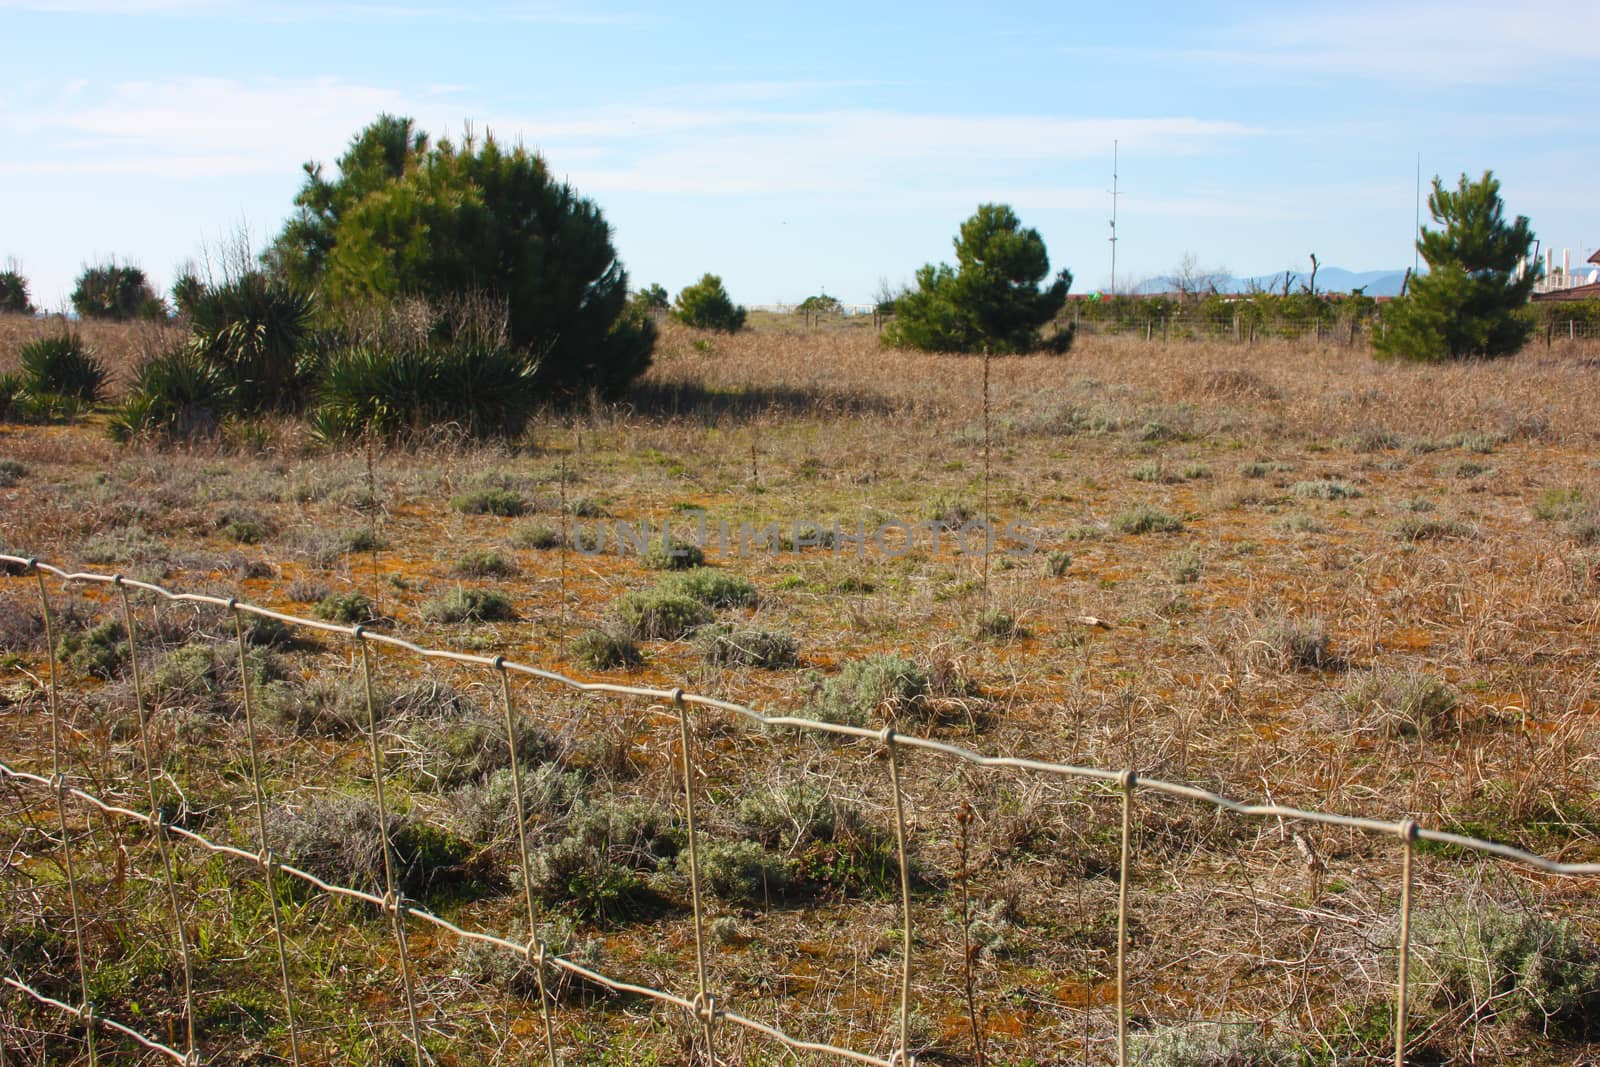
(1564,283)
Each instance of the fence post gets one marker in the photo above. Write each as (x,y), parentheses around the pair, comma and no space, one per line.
(704,1006)
(534,949)
(903,1054)
(1128,782)
(1408,833)
(393,900)
(268,863)
(157,823)
(58,785)
(1572,329)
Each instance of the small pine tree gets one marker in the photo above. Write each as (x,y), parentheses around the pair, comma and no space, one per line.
(653,297)
(113,291)
(706,305)
(991,299)
(1466,305)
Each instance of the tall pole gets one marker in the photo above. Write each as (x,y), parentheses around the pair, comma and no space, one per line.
(1416,230)
(1114,218)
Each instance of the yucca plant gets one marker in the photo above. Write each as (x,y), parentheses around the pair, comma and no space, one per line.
(177,393)
(63,366)
(485,389)
(256,329)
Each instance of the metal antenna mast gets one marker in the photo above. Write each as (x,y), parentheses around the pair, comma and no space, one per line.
(1416,231)
(1114,195)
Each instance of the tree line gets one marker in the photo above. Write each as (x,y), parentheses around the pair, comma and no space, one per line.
(425,281)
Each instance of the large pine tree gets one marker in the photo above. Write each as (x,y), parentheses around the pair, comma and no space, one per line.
(409,218)
(1466,306)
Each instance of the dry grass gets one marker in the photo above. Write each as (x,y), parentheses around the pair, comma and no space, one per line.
(1199,680)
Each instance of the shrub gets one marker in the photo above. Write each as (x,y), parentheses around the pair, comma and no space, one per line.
(740,871)
(706,306)
(446,754)
(11,472)
(175,394)
(205,677)
(791,816)
(255,329)
(1400,703)
(99,651)
(62,365)
(408,217)
(1325,489)
(495,966)
(1146,519)
(538,537)
(470,605)
(656,615)
(490,501)
(1560,505)
(346,608)
(13,397)
(594,869)
(713,588)
(602,650)
(485,388)
(1185,565)
(991,299)
(339,840)
(1057,563)
(110,291)
(484,564)
(1487,962)
(1000,624)
(671,554)
(1413,528)
(484,810)
(1224,1044)
(14,293)
(725,644)
(1262,468)
(884,684)
(1299,645)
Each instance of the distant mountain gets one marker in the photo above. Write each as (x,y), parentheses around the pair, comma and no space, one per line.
(1329,280)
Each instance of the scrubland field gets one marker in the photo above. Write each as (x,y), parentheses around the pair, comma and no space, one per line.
(1281,572)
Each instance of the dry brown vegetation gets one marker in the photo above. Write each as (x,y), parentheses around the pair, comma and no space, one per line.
(1332,583)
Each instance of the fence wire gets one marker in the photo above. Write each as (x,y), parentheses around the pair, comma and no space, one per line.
(703,1009)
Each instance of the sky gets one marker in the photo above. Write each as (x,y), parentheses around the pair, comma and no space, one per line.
(796,149)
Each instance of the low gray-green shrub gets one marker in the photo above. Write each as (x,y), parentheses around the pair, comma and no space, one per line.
(1146,519)
(1489,962)
(603,650)
(490,500)
(884,685)
(653,615)
(712,587)
(470,605)
(1400,703)
(339,839)
(729,645)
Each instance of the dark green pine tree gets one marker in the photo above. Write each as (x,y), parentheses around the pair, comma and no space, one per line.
(1467,305)
(991,299)
(406,218)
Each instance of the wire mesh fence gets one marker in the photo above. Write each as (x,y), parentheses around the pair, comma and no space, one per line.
(71,799)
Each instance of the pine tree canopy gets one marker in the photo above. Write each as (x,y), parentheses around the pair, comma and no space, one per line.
(1466,305)
(991,299)
(406,217)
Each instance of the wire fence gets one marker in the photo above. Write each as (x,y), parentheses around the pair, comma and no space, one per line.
(703,1010)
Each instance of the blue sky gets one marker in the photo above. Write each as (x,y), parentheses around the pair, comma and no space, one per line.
(819,147)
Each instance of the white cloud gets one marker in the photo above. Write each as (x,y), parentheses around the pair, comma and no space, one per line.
(1435,44)
(212,127)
